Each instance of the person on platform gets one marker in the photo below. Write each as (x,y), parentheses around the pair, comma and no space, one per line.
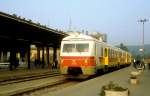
(148,62)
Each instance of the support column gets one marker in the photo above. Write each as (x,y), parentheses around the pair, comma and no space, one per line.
(38,60)
(12,58)
(12,54)
(28,56)
(22,54)
(55,52)
(38,53)
(47,55)
(43,63)
(55,61)
(2,57)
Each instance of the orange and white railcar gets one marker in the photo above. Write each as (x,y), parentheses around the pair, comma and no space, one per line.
(83,55)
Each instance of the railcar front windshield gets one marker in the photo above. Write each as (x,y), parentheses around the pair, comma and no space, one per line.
(76,47)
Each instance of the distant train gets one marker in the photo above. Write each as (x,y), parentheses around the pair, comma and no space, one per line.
(83,55)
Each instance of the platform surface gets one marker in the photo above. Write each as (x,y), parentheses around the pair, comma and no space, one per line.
(121,77)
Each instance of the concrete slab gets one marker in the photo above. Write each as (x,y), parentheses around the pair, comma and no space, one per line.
(121,77)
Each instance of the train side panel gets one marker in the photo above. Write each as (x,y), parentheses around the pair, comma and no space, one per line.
(83,55)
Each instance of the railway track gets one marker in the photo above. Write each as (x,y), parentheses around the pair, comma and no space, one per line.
(50,88)
(44,91)
(26,84)
(28,77)
(33,86)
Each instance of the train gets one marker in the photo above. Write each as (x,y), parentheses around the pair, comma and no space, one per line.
(83,56)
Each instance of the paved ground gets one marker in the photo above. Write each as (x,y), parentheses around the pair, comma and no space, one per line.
(87,88)
(121,77)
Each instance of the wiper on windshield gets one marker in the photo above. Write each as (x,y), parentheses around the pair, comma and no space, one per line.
(67,50)
(78,49)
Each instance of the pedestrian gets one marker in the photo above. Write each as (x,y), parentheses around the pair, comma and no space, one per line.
(53,64)
(148,62)
(35,62)
(149,65)
(56,63)
(142,64)
(137,63)
(16,64)
(134,63)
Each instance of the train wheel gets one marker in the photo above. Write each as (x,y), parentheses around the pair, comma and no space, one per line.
(118,66)
(106,68)
(100,71)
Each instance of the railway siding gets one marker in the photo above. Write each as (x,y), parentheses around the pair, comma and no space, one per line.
(30,77)
(17,88)
(21,73)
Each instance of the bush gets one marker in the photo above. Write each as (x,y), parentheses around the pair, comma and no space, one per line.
(111,87)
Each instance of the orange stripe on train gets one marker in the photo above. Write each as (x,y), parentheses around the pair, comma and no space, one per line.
(77,61)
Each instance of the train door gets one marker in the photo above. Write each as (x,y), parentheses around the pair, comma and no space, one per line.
(106,58)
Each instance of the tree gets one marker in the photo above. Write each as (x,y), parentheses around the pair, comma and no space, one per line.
(123,47)
(14,15)
(96,35)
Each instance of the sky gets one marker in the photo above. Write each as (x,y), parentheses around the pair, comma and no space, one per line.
(116,18)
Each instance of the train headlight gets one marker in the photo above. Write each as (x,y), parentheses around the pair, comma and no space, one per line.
(62,61)
(86,61)
(74,62)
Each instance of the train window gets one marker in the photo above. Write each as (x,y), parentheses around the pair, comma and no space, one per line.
(76,48)
(69,48)
(101,51)
(106,52)
(112,53)
(82,47)
(109,52)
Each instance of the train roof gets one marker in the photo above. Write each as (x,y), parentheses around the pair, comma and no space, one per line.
(90,38)
(79,36)
(85,37)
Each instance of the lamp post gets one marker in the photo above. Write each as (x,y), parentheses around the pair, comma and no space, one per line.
(142,47)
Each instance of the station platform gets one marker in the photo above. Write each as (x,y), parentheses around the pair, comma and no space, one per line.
(12,89)
(121,77)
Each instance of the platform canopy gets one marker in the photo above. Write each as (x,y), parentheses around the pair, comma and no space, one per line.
(14,29)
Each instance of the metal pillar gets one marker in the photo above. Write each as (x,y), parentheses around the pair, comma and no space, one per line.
(38,53)
(55,53)
(47,55)
(43,62)
(12,54)
(142,48)
(12,58)
(28,56)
